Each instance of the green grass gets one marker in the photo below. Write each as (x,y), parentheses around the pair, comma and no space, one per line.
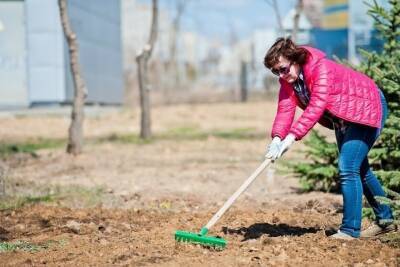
(187,133)
(194,133)
(75,195)
(30,247)
(183,133)
(12,203)
(19,245)
(239,134)
(125,139)
(31,146)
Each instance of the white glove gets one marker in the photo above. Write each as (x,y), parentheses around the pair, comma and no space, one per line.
(273,148)
(285,144)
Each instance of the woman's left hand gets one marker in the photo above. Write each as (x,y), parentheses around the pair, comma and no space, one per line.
(285,144)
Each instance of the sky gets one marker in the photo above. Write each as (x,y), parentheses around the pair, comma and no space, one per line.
(222,19)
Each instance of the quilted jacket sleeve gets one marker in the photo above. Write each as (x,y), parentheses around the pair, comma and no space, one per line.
(322,80)
(285,114)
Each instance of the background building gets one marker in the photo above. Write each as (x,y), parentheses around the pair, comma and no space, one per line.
(345,27)
(34,66)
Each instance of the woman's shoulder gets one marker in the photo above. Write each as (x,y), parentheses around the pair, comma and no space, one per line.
(314,54)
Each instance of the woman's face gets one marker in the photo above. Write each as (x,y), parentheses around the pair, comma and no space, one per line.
(286,70)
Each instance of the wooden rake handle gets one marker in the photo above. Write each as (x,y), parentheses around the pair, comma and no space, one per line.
(238,192)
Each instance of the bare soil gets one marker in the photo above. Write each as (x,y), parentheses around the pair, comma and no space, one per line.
(119,203)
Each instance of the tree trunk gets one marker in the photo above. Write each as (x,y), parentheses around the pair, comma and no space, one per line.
(145,115)
(3,175)
(274,5)
(142,60)
(296,19)
(75,139)
(180,6)
(243,81)
(173,62)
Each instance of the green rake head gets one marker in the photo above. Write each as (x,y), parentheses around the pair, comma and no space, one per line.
(200,238)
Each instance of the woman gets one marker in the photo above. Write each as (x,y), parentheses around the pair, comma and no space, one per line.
(341,99)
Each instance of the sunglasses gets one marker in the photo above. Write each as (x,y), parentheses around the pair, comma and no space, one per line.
(282,70)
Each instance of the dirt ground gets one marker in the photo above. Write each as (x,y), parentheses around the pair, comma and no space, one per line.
(119,203)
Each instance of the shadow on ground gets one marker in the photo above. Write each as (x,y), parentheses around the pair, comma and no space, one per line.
(273,230)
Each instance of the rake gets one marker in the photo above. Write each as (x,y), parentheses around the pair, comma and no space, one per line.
(201,238)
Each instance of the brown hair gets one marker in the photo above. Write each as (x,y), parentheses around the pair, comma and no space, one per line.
(287,48)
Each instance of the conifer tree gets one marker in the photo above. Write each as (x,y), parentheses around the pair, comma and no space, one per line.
(384,69)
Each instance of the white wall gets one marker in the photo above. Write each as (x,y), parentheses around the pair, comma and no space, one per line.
(45,55)
(97,24)
(13,88)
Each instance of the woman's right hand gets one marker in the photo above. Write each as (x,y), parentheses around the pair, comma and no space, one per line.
(273,148)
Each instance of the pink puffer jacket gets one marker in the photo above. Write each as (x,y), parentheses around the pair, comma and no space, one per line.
(345,93)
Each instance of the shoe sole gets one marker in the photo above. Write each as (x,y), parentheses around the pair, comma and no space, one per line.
(381,233)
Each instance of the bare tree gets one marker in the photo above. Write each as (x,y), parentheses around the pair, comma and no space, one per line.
(296,19)
(243,81)
(75,139)
(142,60)
(252,65)
(274,5)
(233,33)
(180,6)
(3,172)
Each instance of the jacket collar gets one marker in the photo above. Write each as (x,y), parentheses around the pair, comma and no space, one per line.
(314,56)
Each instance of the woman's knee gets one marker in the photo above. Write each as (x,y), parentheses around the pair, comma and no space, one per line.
(348,168)
(351,157)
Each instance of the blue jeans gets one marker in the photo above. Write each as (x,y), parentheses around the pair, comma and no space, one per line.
(356,176)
